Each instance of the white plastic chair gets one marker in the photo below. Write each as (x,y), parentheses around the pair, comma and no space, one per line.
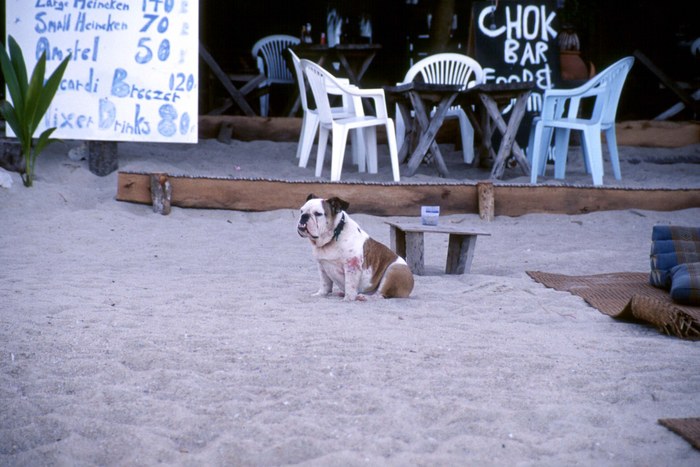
(447,68)
(310,119)
(319,81)
(269,54)
(560,115)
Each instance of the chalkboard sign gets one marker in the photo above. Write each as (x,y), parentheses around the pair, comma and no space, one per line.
(133,74)
(516,41)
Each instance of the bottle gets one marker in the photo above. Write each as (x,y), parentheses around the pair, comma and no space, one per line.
(323,38)
(308,39)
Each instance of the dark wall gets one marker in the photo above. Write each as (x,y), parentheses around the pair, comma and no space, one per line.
(230,29)
(608,31)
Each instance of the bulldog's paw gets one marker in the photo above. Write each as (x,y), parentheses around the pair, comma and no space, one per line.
(355,297)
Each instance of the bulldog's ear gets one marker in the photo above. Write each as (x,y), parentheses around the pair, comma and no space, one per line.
(311,196)
(338,205)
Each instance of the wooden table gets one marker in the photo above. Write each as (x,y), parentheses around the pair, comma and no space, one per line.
(354,61)
(353,58)
(407,242)
(238,95)
(491,99)
(422,127)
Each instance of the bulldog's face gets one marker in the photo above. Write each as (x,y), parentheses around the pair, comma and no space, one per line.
(317,218)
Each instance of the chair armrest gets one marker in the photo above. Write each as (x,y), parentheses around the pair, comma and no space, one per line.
(576,92)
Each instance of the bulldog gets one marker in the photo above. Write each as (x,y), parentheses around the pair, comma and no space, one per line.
(348,257)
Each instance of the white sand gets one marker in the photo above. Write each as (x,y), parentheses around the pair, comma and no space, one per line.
(131,338)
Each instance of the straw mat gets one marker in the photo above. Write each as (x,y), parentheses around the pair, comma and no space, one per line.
(688,428)
(628,296)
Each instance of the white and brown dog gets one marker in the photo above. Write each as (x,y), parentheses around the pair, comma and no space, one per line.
(348,257)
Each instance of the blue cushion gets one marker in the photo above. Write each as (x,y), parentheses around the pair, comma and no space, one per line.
(669,246)
(672,245)
(662,263)
(685,283)
(675,232)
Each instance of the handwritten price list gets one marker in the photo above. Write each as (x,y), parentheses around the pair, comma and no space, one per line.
(133,70)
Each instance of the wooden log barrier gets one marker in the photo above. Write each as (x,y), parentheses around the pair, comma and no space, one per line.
(402,199)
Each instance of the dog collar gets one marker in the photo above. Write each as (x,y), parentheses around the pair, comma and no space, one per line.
(339,228)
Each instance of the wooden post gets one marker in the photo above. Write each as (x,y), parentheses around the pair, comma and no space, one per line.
(225,133)
(161,193)
(103,158)
(487,203)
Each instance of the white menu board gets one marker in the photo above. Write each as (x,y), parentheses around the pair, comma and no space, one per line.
(133,74)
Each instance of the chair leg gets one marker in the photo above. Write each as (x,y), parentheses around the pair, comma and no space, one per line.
(400,128)
(467,137)
(321,153)
(358,149)
(561,152)
(393,151)
(593,151)
(611,138)
(536,150)
(340,137)
(309,128)
(370,135)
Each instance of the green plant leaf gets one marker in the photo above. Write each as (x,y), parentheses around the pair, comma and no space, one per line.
(34,91)
(49,90)
(20,66)
(10,75)
(10,115)
(43,140)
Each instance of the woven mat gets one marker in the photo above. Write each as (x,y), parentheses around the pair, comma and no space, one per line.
(628,296)
(688,428)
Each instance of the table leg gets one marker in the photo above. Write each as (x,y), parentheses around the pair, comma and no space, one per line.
(460,253)
(509,131)
(397,238)
(410,128)
(355,76)
(429,128)
(235,93)
(414,252)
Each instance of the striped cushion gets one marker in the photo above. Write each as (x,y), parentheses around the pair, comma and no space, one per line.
(685,283)
(671,246)
(675,232)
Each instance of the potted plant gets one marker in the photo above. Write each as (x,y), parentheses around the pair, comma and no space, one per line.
(30,101)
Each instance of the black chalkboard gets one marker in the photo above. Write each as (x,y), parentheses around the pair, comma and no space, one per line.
(516,41)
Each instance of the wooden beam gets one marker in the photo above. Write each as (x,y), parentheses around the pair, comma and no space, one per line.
(686,98)
(402,199)
(235,93)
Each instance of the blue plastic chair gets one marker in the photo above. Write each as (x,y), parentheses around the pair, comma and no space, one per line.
(560,115)
(269,54)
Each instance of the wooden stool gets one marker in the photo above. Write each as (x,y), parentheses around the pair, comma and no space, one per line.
(407,242)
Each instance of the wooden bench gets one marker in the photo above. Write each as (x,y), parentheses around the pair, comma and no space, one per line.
(407,241)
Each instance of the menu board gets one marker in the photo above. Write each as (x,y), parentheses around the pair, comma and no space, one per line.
(516,41)
(133,73)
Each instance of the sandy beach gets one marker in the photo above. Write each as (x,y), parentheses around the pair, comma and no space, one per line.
(132,338)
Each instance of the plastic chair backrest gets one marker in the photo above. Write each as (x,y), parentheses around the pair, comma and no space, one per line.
(269,53)
(300,79)
(318,79)
(613,78)
(447,68)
